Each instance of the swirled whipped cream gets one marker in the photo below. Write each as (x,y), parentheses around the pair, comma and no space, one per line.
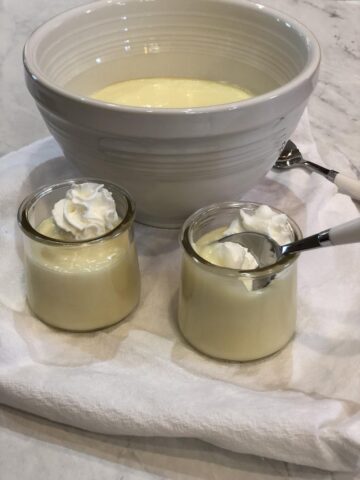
(263,220)
(233,255)
(87,211)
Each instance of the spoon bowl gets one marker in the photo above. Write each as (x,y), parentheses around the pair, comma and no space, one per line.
(266,251)
(290,157)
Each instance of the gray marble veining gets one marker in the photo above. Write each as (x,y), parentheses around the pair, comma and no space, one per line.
(334,106)
(35,448)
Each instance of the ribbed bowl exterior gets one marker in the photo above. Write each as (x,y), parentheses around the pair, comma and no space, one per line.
(173,161)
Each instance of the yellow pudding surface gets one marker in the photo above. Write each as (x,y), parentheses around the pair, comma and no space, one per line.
(171,93)
(84,286)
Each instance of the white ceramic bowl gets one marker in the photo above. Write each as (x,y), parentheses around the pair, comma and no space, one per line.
(173,161)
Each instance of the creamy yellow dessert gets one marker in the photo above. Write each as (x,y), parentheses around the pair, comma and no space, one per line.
(82,286)
(226,316)
(171,93)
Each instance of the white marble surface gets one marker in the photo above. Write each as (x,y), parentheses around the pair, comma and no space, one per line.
(31,447)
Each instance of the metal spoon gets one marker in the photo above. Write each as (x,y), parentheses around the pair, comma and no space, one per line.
(291,157)
(267,251)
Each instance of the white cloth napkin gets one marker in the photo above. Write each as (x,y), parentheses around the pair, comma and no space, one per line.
(141,378)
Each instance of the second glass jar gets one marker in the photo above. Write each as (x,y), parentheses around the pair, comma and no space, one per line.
(222,311)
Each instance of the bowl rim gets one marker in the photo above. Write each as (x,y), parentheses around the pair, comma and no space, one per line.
(311,66)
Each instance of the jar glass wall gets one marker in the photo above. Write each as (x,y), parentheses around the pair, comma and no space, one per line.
(234,314)
(79,285)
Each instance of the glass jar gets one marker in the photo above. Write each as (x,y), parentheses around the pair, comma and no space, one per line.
(234,314)
(79,285)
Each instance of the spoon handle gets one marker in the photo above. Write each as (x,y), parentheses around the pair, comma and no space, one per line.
(321,239)
(348,232)
(348,185)
(325,172)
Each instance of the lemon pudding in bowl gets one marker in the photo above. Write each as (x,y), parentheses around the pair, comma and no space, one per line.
(171,93)
(81,264)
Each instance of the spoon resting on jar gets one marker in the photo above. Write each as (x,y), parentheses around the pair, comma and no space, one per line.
(267,251)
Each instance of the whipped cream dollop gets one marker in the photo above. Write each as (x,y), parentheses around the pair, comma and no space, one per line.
(233,255)
(228,254)
(263,220)
(87,211)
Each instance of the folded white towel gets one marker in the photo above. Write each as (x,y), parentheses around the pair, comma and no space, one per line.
(141,378)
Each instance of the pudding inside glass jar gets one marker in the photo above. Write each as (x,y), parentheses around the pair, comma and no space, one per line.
(229,308)
(81,274)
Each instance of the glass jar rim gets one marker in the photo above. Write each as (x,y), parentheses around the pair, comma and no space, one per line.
(186,243)
(30,200)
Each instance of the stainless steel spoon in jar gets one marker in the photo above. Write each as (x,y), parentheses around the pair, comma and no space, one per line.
(266,251)
(291,157)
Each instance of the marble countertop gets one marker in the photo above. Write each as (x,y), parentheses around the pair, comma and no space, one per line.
(32,447)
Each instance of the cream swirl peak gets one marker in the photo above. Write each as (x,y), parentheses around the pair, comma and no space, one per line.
(87,211)
(264,220)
